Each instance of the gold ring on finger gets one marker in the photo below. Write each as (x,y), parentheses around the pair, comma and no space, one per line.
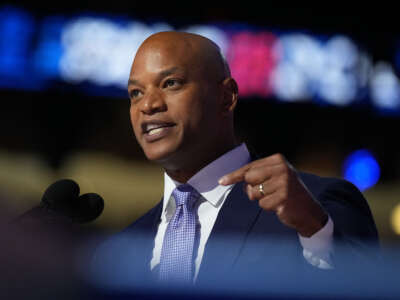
(261,189)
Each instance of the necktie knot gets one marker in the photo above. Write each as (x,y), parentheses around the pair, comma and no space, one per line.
(185,194)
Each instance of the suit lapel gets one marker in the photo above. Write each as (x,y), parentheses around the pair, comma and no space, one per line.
(144,230)
(234,222)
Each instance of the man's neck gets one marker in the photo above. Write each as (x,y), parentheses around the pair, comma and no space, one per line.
(183,174)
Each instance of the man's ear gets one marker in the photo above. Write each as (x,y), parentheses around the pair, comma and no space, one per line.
(230,95)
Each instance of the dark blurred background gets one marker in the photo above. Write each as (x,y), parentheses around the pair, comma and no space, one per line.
(318,84)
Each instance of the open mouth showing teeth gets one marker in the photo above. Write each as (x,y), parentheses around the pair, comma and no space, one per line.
(152,129)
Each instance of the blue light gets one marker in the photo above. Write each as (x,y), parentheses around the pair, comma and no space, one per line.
(47,56)
(16,29)
(362,169)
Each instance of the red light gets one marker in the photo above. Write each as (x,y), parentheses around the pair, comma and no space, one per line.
(252,60)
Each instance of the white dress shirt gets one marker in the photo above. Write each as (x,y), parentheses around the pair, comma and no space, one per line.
(317,249)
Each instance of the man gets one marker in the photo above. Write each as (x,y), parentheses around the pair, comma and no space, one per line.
(249,213)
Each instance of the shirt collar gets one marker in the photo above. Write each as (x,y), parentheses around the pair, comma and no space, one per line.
(206,180)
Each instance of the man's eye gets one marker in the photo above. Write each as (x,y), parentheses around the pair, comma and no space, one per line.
(134,93)
(171,83)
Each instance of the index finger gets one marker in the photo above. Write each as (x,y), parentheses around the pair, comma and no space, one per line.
(235,176)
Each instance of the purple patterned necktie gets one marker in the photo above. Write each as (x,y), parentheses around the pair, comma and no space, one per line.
(176,263)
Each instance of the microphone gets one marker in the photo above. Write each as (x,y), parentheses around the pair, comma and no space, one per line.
(41,246)
(61,202)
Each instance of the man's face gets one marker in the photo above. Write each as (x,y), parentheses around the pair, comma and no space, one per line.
(174,108)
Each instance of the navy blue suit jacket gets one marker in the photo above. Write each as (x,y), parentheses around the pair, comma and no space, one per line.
(248,241)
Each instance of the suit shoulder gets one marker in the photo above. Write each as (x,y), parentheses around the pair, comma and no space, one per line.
(318,184)
(327,189)
(345,204)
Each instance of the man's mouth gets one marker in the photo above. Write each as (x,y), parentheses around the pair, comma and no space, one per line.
(156,129)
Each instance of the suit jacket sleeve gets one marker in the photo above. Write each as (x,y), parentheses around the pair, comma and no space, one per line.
(355,235)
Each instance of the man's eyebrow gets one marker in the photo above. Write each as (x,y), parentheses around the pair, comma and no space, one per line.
(168,72)
(162,74)
(133,81)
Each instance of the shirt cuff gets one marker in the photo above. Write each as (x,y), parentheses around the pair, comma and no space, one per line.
(318,248)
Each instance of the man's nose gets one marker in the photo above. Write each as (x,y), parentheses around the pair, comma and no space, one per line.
(153,102)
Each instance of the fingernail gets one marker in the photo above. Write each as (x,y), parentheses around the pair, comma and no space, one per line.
(222,180)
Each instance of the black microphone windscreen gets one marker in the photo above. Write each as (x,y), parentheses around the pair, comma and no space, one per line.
(61,202)
(58,196)
(89,207)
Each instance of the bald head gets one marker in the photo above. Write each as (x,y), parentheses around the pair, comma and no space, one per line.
(182,102)
(198,51)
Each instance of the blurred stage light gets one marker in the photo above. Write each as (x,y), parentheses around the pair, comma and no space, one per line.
(385,87)
(395,219)
(362,169)
(289,83)
(16,28)
(98,51)
(305,52)
(339,81)
(101,51)
(338,87)
(298,68)
(49,51)
(341,52)
(252,59)
(309,67)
